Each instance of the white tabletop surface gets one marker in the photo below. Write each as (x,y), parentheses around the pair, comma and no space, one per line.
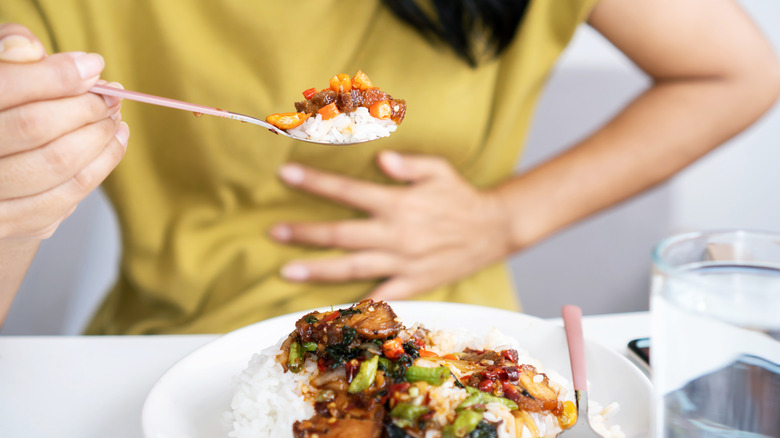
(85,387)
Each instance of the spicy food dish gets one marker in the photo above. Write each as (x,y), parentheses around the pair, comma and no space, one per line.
(350,109)
(359,372)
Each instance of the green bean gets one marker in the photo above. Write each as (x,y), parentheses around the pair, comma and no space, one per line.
(466,422)
(408,411)
(295,359)
(310,346)
(478,397)
(365,376)
(435,376)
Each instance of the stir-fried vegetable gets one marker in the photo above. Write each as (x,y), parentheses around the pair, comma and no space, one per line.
(569,415)
(435,376)
(478,397)
(329,111)
(466,421)
(287,120)
(381,110)
(393,348)
(408,411)
(365,376)
(295,359)
(361,81)
(341,82)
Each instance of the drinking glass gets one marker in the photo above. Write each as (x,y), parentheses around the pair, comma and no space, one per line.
(715,307)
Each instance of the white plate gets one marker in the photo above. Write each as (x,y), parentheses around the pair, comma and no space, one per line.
(190,399)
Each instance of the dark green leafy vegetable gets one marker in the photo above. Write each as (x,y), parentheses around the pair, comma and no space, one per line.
(311,319)
(411,349)
(385,364)
(349,312)
(484,430)
(341,352)
(394,431)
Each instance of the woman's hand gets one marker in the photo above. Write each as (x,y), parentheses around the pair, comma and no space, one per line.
(432,231)
(57,143)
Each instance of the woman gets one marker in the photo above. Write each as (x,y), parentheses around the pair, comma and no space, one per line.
(213,240)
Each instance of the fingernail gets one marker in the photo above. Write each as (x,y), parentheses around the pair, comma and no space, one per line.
(392,161)
(295,272)
(88,64)
(117,116)
(281,233)
(113,100)
(122,134)
(291,174)
(19,48)
(12,42)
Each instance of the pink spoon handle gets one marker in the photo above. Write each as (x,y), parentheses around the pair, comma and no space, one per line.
(177,104)
(157,100)
(572,321)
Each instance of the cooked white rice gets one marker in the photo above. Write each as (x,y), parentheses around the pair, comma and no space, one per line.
(358,125)
(267,401)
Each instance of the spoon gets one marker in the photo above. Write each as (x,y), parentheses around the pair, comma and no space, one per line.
(572,322)
(200,109)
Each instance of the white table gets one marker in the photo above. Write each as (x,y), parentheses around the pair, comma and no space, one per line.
(84,387)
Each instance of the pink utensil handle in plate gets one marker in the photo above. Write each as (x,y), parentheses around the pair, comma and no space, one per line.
(572,321)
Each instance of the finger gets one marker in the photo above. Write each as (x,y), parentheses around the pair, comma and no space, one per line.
(364,265)
(47,232)
(38,170)
(58,75)
(397,288)
(351,234)
(29,126)
(414,168)
(18,44)
(34,215)
(344,190)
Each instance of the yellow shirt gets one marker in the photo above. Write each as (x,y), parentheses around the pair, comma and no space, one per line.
(195,197)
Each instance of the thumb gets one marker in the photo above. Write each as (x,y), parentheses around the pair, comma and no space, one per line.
(18,44)
(413,168)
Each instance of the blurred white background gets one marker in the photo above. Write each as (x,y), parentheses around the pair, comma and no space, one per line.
(601,264)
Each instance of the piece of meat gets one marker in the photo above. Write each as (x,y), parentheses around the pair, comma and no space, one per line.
(319,100)
(306,106)
(369,319)
(349,101)
(373,320)
(482,357)
(345,428)
(398,107)
(374,95)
